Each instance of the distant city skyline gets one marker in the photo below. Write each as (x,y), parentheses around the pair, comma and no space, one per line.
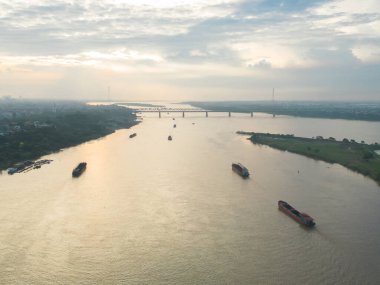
(183,50)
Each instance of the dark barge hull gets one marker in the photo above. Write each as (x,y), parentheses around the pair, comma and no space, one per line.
(301,218)
(79,169)
(241,170)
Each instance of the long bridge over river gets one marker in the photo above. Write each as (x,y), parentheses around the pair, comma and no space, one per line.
(181,110)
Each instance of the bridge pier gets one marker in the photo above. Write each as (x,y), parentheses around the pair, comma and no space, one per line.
(251,114)
(206,114)
(159,114)
(183,114)
(229,114)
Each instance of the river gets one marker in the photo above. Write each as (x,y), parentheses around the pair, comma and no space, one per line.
(152,211)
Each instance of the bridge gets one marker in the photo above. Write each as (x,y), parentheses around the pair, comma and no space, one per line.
(183,111)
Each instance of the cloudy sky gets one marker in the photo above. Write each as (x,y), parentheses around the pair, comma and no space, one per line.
(190,49)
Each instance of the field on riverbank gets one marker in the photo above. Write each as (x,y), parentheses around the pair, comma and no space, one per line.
(359,157)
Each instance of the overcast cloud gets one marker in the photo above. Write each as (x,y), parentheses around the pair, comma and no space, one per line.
(190,50)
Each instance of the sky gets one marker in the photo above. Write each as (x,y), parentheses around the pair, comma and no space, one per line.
(182,50)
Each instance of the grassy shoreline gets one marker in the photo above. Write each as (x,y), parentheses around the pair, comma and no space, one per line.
(359,157)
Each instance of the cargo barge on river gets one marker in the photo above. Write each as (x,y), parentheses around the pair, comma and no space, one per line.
(240,169)
(79,169)
(302,218)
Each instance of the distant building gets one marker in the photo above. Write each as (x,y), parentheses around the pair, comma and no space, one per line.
(15,128)
(37,124)
(7,115)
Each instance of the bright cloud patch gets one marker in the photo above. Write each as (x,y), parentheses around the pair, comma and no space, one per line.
(182,44)
(94,58)
(276,56)
(349,7)
(351,17)
(367,53)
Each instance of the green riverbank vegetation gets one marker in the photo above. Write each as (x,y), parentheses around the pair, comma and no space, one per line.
(357,156)
(366,111)
(29,130)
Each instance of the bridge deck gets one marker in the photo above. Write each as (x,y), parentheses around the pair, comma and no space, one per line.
(178,111)
(183,111)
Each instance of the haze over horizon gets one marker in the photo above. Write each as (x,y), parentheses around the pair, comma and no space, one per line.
(189,50)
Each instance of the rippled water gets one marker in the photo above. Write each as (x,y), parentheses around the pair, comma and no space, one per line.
(151,211)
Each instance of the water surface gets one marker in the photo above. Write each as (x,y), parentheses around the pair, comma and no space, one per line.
(151,211)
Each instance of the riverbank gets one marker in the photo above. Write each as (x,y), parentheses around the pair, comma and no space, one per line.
(363,111)
(359,157)
(40,133)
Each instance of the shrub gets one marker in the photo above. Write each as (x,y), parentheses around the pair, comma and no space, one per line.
(368,155)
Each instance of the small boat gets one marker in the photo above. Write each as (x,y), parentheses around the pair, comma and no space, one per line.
(132,135)
(20,167)
(240,169)
(79,169)
(302,218)
(174,126)
(170,138)
(12,170)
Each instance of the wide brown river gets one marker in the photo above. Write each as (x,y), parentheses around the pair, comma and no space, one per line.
(153,211)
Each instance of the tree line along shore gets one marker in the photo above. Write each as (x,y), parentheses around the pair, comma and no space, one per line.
(357,156)
(365,111)
(40,128)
